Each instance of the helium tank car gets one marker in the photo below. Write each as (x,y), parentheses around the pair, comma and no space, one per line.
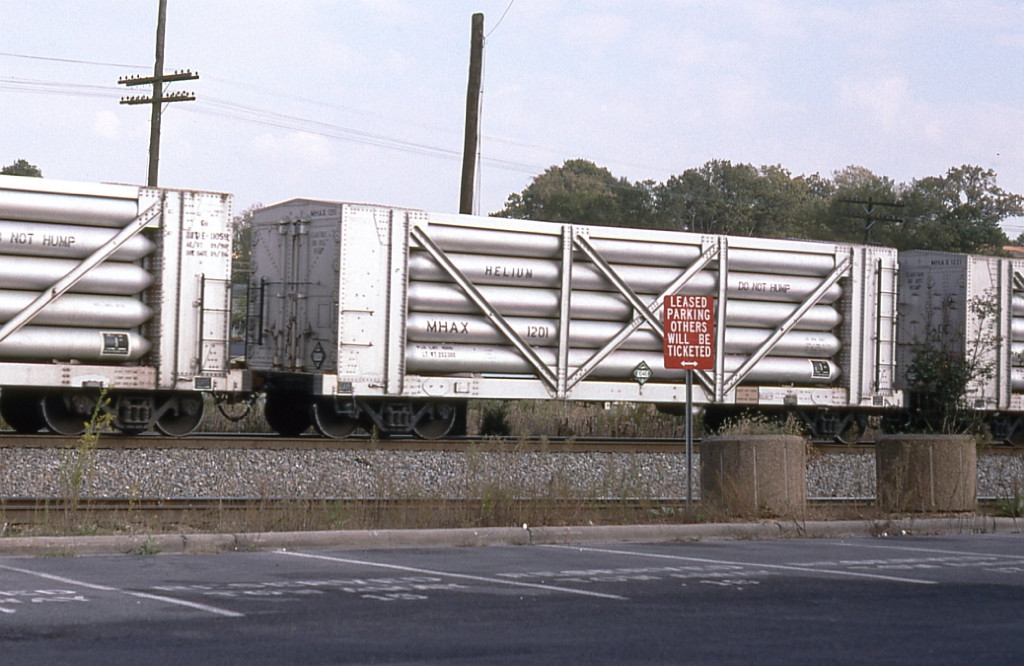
(114,297)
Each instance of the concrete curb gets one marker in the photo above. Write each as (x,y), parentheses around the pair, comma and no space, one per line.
(499,536)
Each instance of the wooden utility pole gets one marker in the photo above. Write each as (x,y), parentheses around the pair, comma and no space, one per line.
(869,216)
(158,98)
(476,57)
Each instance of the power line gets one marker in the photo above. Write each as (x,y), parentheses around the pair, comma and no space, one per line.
(500,19)
(341,133)
(56,88)
(246,86)
(284,121)
(557,150)
(869,216)
(214,106)
(69,60)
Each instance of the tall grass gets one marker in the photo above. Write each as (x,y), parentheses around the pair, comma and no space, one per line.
(515,418)
(553,418)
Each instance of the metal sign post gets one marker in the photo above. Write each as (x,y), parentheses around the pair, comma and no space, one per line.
(689,336)
(689,438)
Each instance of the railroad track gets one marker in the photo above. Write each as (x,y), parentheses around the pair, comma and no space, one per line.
(211,441)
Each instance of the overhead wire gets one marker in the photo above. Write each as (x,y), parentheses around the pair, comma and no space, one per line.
(72,61)
(328,130)
(500,19)
(56,88)
(225,108)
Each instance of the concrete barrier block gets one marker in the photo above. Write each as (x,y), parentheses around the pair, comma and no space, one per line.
(755,475)
(927,473)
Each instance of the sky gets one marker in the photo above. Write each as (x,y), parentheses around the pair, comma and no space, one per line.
(365,100)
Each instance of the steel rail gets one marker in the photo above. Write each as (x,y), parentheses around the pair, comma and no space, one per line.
(214,441)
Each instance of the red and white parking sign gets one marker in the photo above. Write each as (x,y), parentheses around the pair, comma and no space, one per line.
(689,323)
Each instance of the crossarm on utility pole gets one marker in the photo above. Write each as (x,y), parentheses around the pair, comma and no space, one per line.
(158,98)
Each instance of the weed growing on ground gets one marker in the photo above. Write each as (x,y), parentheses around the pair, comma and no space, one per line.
(554,418)
(80,460)
(1011,507)
(756,423)
(147,547)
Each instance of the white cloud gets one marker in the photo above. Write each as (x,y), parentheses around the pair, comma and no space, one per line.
(885,101)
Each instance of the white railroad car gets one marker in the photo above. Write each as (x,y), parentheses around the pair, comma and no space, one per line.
(971,306)
(114,289)
(363,315)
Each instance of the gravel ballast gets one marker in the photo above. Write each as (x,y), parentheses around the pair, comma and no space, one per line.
(382,473)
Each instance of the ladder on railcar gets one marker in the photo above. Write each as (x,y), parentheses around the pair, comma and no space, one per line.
(214,316)
(885,332)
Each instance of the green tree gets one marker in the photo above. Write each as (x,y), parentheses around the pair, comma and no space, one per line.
(241,244)
(858,207)
(22,168)
(813,221)
(580,191)
(241,267)
(958,212)
(738,199)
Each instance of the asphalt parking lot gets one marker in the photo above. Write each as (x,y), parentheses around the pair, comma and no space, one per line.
(943,599)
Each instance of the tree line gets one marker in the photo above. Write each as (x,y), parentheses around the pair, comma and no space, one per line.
(959,211)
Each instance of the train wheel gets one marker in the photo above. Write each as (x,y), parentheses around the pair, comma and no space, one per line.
(435,420)
(1006,429)
(861,429)
(288,413)
(329,422)
(67,413)
(23,411)
(182,418)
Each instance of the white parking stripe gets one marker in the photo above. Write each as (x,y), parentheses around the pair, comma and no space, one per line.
(449,574)
(783,567)
(937,551)
(141,595)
